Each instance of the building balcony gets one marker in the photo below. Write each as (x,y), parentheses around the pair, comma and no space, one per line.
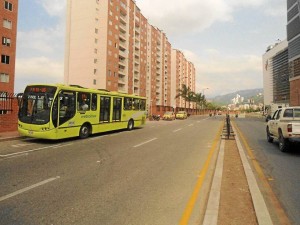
(122,72)
(122,28)
(121,88)
(122,62)
(122,36)
(122,80)
(123,19)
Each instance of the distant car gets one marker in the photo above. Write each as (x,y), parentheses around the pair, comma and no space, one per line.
(169,115)
(181,115)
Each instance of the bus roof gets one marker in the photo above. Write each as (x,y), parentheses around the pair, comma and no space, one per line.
(83,89)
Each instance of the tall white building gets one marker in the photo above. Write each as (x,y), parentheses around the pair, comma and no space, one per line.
(274,73)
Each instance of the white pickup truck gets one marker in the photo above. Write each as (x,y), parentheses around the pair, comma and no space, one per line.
(284,125)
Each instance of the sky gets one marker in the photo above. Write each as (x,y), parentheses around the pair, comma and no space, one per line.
(225,39)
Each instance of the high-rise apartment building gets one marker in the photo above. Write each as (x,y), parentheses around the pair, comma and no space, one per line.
(293,37)
(110,45)
(106,46)
(8,33)
(183,73)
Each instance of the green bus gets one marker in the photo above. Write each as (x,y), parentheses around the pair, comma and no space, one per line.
(64,111)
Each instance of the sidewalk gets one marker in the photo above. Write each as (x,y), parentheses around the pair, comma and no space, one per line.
(9,135)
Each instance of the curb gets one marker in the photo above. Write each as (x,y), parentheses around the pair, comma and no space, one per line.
(212,209)
(261,210)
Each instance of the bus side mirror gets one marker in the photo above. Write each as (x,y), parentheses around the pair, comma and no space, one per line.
(268,118)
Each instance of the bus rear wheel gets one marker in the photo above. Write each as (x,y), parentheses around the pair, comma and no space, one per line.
(130,125)
(84,131)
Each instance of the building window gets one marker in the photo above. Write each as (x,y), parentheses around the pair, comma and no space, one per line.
(5,59)
(95,60)
(95,71)
(109,73)
(95,51)
(8,6)
(7,24)
(96,41)
(96,31)
(4,78)
(6,41)
(94,82)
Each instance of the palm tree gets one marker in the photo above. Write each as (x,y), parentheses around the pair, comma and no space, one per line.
(199,99)
(183,93)
(190,98)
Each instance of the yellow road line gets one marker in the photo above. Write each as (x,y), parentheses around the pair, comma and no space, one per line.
(191,203)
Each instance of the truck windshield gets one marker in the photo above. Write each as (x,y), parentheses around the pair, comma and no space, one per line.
(35,105)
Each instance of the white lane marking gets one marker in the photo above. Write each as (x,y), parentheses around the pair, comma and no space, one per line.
(15,156)
(177,130)
(28,188)
(20,145)
(34,150)
(202,120)
(144,142)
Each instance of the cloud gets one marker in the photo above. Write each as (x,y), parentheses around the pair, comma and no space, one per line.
(53,7)
(277,9)
(37,70)
(180,17)
(184,16)
(223,73)
(42,41)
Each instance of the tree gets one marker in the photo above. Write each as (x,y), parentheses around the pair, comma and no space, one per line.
(199,99)
(184,93)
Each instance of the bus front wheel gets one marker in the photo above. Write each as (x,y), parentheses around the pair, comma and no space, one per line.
(84,131)
(130,125)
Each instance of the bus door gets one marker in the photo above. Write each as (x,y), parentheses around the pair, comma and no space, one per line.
(104,109)
(117,109)
(67,107)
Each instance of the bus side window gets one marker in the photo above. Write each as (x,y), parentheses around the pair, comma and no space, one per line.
(94,102)
(84,101)
(127,103)
(143,105)
(136,104)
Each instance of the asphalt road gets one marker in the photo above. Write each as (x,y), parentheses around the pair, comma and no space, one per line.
(139,177)
(281,169)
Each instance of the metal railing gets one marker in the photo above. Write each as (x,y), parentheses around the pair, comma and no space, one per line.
(6,102)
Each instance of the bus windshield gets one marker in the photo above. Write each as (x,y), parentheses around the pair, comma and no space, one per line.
(35,105)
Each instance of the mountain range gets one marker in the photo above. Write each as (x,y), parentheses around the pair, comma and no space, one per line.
(247,94)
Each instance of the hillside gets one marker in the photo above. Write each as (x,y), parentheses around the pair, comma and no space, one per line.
(247,94)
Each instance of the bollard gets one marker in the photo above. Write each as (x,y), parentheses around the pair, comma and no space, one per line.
(228,125)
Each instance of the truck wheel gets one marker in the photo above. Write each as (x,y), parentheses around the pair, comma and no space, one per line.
(269,138)
(284,143)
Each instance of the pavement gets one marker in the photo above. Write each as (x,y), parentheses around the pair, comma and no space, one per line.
(217,204)
(9,135)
